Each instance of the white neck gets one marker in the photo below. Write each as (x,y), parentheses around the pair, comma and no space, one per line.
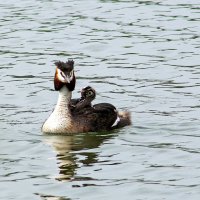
(60,121)
(63,100)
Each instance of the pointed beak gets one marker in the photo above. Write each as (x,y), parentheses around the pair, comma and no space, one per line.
(67,79)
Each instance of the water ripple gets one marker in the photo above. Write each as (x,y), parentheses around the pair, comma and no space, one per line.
(142,56)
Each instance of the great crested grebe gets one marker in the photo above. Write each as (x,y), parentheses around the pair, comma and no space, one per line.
(84,117)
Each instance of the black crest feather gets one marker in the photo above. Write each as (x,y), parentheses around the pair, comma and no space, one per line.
(65,66)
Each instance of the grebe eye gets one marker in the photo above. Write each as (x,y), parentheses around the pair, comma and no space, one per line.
(89,93)
(62,74)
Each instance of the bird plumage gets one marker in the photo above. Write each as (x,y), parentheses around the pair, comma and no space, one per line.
(79,115)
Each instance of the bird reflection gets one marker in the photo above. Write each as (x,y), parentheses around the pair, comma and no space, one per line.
(68,148)
(50,197)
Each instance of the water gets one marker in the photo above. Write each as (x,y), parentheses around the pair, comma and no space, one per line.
(141,56)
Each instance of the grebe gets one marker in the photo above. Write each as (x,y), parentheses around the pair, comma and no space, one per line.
(88,94)
(85,117)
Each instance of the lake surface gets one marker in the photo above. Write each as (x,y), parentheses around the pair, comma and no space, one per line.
(139,55)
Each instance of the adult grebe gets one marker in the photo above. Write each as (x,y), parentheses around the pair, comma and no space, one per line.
(85,117)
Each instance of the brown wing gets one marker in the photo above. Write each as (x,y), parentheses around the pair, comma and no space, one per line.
(97,118)
(107,115)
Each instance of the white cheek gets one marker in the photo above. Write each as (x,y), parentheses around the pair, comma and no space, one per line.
(71,75)
(60,76)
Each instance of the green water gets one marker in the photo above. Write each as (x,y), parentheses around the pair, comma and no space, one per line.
(141,56)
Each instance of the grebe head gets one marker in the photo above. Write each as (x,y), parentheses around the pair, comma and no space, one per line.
(64,75)
(88,93)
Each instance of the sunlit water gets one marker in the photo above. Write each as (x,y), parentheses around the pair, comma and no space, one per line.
(141,56)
